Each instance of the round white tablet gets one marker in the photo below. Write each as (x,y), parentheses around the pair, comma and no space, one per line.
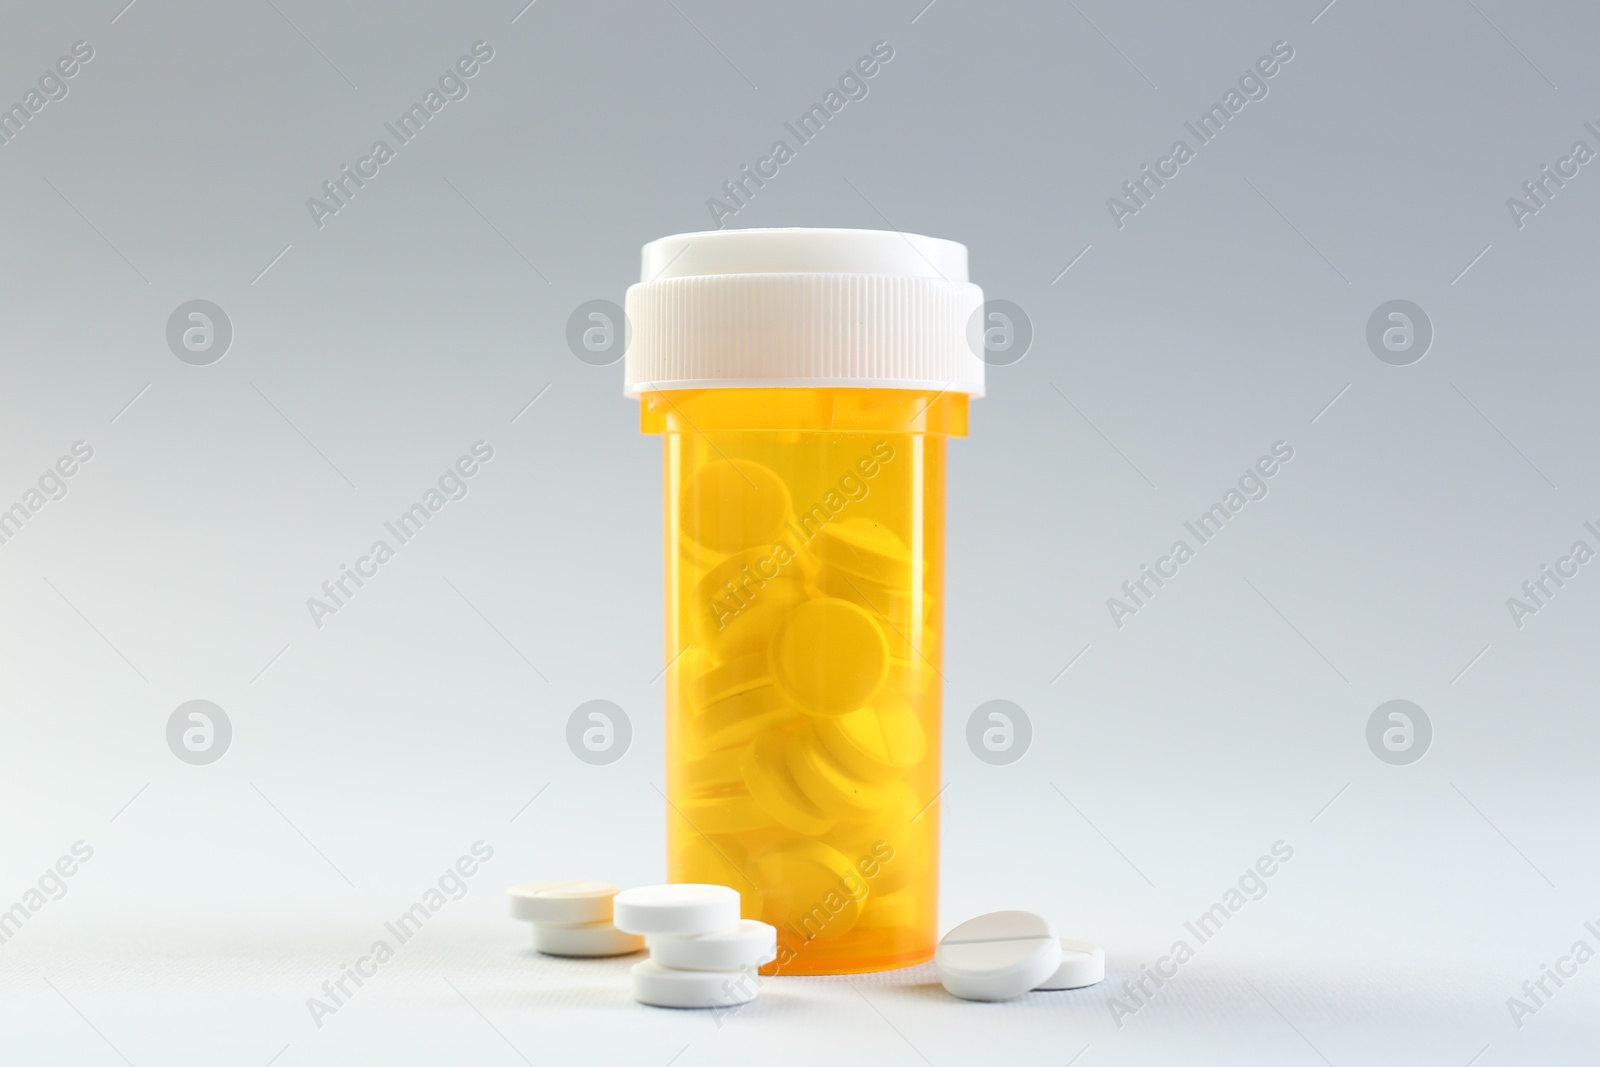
(1081,964)
(999,955)
(565,902)
(667,988)
(743,947)
(684,908)
(589,940)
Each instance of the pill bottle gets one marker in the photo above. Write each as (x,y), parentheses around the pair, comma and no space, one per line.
(805,383)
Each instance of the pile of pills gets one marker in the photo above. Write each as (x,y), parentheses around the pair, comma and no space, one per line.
(1007,953)
(702,955)
(572,918)
(800,755)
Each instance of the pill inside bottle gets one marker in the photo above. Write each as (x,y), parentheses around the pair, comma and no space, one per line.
(806,384)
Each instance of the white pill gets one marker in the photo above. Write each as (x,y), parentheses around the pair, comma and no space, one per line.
(564,902)
(585,939)
(1081,964)
(738,948)
(667,988)
(684,908)
(999,955)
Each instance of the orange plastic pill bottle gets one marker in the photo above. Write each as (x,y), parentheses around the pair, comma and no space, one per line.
(805,383)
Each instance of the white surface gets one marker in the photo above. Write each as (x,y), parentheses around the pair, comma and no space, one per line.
(749,944)
(998,956)
(592,940)
(196,994)
(666,988)
(1082,964)
(561,901)
(684,908)
(782,308)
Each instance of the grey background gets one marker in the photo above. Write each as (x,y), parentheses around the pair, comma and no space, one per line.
(368,355)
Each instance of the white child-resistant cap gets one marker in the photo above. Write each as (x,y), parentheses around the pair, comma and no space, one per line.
(812,308)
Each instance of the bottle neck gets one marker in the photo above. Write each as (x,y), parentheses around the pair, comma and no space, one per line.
(805,410)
